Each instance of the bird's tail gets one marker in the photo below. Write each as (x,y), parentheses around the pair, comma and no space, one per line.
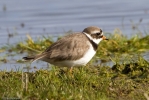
(34,58)
(28,58)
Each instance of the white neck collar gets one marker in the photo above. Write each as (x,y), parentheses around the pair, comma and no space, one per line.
(97,41)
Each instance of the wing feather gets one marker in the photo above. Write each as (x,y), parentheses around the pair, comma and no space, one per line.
(70,47)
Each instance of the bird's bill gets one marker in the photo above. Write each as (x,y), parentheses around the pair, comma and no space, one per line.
(104,38)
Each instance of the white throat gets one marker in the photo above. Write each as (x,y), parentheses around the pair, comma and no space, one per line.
(93,39)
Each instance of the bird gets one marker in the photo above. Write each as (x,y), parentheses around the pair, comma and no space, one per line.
(72,50)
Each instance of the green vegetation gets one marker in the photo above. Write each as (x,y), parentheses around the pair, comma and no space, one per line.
(128,79)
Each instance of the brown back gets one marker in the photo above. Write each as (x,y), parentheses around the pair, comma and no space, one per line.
(70,47)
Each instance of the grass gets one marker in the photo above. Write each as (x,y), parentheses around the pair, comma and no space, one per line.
(90,82)
(128,79)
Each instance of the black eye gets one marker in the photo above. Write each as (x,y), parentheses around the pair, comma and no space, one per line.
(98,33)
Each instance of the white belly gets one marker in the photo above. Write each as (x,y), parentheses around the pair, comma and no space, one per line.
(82,61)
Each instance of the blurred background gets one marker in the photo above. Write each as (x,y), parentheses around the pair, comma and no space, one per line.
(55,18)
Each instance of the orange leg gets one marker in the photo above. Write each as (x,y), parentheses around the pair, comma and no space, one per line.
(70,70)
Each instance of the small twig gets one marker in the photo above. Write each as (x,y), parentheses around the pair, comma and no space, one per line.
(146,96)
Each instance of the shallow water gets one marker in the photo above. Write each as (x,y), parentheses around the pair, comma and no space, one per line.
(54,18)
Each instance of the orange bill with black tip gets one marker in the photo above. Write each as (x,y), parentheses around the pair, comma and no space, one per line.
(104,38)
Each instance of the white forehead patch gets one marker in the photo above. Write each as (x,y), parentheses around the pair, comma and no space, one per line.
(94,32)
(93,39)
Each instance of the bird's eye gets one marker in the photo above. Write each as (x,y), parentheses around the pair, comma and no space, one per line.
(98,33)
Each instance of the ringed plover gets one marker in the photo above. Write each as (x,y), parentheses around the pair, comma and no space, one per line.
(76,49)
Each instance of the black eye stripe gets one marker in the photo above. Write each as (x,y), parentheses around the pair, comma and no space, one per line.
(98,33)
(101,36)
(96,36)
